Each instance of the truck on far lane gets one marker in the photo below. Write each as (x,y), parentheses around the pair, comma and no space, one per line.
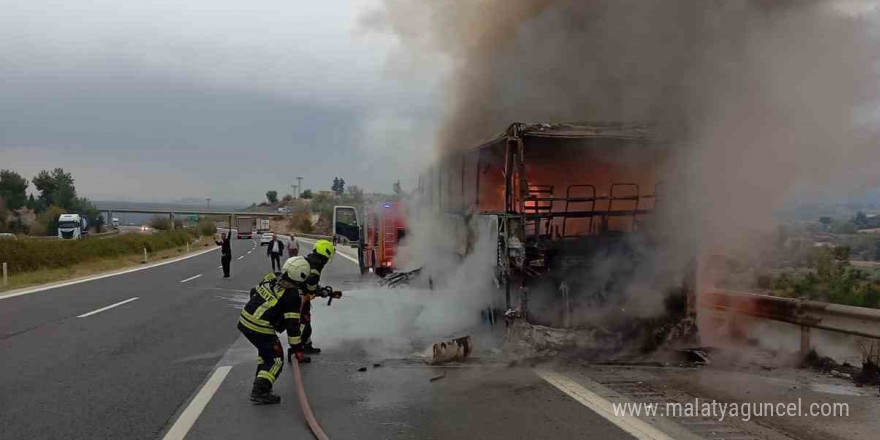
(72,227)
(263,225)
(245,226)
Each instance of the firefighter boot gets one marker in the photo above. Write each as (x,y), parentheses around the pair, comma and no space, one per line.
(309,349)
(262,392)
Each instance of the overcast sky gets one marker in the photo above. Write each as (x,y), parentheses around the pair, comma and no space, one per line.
(227,99)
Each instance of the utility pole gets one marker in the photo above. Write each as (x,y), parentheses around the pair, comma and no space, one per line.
(209,202)
(293,188)
(299,185)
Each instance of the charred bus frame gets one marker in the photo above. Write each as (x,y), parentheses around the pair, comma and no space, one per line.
(553,194)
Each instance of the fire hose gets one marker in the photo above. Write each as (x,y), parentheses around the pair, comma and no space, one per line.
(304,404)
(326,292)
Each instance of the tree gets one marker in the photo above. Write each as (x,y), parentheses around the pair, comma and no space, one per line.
(826,222)
(307,194)
(843,227)
(272,197)
(286,199)
(860,220)
(56,188)
(4,213)
(398,191)
(354,196)
(338,186)
(47,222)
(13,189)
(87,209)
(840,253)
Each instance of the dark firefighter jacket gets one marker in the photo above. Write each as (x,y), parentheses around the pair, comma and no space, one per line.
(273,309)
(311,286)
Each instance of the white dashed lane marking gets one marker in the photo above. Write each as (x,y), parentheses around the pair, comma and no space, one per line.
(190,278)
(102,309)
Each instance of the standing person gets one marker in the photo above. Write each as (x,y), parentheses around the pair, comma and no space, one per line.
(274,306)
(276,248)
(317,259)
(225,252)
(292,246)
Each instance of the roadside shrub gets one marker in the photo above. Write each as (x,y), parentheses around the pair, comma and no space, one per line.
(32,255)
(207,228)
(160,223)
(301,222)
(46,223)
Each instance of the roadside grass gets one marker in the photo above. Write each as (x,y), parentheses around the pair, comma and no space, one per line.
(35,255)
(95,266)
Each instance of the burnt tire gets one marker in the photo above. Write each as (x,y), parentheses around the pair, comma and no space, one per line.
(361,261)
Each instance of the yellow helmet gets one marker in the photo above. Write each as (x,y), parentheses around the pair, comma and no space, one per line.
(325,248)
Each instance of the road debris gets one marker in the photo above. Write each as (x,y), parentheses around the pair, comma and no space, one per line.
(836,373)
(436,378)
(455,350)
(531,340)
(868,374)
(699,356)
(362,369)
(399,278)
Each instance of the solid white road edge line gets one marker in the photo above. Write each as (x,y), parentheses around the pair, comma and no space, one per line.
(29,290)
(352,259)
(102,309)
(634,426)
(344,255)
(189,416)
(191,278)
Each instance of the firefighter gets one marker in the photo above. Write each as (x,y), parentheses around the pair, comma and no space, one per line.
(317,259)
(274,306)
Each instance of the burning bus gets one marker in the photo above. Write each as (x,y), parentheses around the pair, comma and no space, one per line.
(574,208)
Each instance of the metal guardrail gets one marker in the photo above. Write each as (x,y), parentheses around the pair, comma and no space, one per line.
(184,211)
(855,321)
(55,237)
(314,236)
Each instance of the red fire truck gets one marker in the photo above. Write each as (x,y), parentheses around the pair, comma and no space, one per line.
(378,233)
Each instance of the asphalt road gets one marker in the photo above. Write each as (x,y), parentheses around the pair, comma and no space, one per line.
(73,369)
